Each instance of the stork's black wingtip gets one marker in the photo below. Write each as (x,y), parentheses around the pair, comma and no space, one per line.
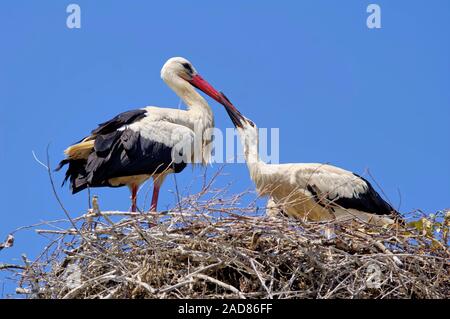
(61,165)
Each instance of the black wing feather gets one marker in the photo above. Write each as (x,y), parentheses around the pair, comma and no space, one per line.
(369,201)
(106,136)
(120,120)
(129,154)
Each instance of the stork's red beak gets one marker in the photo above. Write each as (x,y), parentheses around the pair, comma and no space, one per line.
(201,84)
(204,86)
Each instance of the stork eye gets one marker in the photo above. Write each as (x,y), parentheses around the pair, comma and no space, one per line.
(188,67)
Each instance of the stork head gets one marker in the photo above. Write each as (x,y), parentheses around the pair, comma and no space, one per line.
(176,69)
(179,67)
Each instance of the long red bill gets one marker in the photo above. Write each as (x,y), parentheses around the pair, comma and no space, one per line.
(203,85)
(207,88)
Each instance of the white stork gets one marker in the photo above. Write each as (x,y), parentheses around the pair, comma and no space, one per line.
(315,192)
(147,142)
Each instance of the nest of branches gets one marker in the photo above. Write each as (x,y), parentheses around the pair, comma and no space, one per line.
(209,246)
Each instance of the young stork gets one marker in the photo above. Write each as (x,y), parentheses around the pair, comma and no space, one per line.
(147,142)
(315,192)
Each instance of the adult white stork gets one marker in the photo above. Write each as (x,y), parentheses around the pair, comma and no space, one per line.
(315,192)
(147,142)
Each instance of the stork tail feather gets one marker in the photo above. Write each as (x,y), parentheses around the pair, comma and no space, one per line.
(76,173)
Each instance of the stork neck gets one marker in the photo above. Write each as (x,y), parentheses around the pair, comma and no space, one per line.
(256,167)
(200,119)
(250,143)
(193,100)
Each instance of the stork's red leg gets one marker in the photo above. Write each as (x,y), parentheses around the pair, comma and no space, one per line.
(157,182)
(154,205)
(134,189)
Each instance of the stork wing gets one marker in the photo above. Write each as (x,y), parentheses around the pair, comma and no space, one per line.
(332,186)
(82,149)
(119,121)
(144,147)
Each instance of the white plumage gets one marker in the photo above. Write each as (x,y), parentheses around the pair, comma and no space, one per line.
(312,191)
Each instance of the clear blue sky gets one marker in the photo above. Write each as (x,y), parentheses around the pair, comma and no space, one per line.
(339,92)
